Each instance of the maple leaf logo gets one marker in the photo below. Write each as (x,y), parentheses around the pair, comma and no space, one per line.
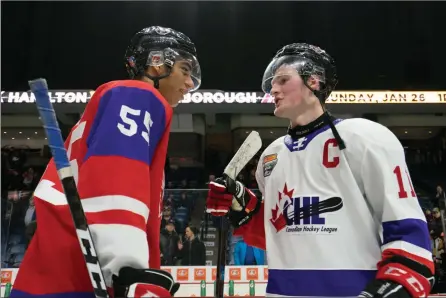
(277,218)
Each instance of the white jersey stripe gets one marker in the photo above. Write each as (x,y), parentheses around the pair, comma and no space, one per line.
(115,202)
(410,248)
(46,192)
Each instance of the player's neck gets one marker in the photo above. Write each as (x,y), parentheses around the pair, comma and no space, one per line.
(307,117)
(147,80)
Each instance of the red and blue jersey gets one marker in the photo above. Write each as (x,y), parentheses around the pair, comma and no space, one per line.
(117,152)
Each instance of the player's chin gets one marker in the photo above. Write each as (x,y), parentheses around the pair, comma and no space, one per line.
(175,103)
(280,112)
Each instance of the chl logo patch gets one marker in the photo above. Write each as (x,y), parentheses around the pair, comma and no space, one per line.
(269,162)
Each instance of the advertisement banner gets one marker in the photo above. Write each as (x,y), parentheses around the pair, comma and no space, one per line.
(6,276)
(193,284)
(379,97)
(219,97)
(67,96)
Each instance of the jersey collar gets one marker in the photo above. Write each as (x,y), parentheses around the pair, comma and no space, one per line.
(301,131)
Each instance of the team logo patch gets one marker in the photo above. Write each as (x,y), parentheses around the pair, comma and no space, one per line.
(304,214)
(269,162)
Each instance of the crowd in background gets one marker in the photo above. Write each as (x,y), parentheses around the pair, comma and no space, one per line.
(183,218)
(18,214)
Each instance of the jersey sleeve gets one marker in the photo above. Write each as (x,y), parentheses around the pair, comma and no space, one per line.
(389,190)
(114,179)
(253,232)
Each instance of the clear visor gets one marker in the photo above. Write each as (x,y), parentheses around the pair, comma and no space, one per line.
(283,67)
(189,64)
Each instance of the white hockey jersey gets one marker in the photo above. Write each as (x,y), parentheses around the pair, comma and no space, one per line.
(330,216)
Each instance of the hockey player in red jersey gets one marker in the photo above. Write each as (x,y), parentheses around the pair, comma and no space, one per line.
(339,216)
(117,152)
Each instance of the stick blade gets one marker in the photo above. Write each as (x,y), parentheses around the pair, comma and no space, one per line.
(245,153)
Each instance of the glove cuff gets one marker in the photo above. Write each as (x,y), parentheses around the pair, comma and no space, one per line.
(415,283)
(140,290)
(129,276)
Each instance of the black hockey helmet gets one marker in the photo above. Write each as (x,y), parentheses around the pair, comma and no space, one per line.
(308,60)
(156,46)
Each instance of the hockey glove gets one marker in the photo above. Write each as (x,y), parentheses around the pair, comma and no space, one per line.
(400,277)
(229,197)
(384,289)
(143,283)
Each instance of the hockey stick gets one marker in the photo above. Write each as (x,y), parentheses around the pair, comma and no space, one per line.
(40,89)
(245,153)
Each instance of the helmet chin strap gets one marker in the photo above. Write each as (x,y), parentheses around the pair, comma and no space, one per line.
(156,79)
(327,118)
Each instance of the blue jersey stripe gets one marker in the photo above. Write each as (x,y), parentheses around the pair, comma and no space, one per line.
(129,123)
(319,283)
(20,294)
(414,231)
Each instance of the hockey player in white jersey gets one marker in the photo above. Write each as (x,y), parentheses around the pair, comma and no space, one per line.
(339,216)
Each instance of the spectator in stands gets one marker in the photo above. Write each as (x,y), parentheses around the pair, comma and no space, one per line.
(428,215)
(30,214)
(440,194)
(438,248)
(170,185)
(167,217)
(436,227)
(248,255)
(169,241)
(168,202)
(28,178)
(17,159)
(192,251)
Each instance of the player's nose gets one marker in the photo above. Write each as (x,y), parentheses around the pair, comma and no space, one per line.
(189,83)
(275,90)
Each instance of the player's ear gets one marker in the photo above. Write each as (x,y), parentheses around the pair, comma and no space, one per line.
(156,71)
(313,82)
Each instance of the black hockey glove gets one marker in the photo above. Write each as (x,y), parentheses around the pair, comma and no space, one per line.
(245,203)
(136,283)
(384,288)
